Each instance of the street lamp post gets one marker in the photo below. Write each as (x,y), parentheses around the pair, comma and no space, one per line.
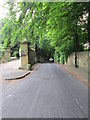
(76,42)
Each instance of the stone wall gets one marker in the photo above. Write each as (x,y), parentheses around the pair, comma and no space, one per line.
(42,59)
(32,56)
(6,56)
(82,59)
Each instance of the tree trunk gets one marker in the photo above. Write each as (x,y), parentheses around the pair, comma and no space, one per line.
(89,25)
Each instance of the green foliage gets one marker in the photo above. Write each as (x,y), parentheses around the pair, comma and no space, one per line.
(56,57)
(48,26)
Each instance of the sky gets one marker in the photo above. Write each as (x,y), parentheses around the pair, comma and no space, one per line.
(3,11)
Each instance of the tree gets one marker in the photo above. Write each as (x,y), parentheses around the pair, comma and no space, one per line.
(48,26)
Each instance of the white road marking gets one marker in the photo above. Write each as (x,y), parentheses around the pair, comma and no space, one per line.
(69,75)
(77,102)
(10,95)
(9,86)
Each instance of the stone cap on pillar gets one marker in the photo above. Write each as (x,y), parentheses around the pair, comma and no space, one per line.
(25,41)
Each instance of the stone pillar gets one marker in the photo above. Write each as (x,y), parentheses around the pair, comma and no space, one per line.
(32,56)
(7,55)
(24,54)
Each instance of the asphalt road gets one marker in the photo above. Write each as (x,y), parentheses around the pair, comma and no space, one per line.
(49,92)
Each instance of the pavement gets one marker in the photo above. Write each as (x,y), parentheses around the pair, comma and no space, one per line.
(15,75)
(49,92)
(79,73)
(10,70)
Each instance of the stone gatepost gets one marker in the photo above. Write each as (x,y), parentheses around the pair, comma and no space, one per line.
(7,55)
(24,54)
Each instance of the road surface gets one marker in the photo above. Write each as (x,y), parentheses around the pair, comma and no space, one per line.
(49,92)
